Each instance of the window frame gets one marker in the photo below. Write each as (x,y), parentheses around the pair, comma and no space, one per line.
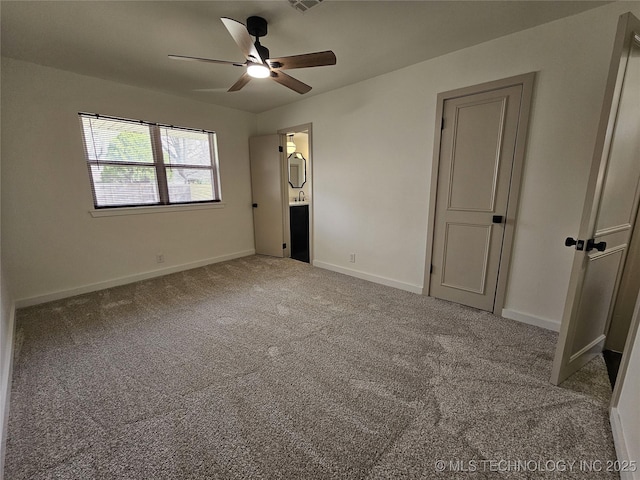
(159,164)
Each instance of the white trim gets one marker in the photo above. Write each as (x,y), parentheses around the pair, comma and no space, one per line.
(370,277)
(49,297)
(589,346)
(5,388)
(621,446)
(114,212)
(553,325)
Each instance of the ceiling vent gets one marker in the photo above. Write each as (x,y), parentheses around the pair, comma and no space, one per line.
(304,5)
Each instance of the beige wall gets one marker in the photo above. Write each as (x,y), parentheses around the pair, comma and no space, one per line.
(51,242)
(373,143)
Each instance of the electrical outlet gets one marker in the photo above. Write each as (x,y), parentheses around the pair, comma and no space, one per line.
(160,258)
(352,257)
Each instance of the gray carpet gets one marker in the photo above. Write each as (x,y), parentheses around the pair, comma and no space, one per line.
(271,368)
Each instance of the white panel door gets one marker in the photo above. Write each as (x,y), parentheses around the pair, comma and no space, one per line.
(476,160)
(609,212)
(266,190)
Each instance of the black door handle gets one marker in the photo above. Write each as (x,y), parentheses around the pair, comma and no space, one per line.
(591,244)
(255,205)
(600,246)
(497,219)
(570,242)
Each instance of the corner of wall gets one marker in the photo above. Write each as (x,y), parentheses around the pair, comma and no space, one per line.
(546,323)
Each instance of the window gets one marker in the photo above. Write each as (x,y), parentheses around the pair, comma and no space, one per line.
(135,163)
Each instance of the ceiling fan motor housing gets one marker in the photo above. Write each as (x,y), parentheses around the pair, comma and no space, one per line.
(263,51)
(256,26)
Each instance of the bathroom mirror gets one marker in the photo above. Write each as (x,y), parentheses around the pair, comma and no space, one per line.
(297,170)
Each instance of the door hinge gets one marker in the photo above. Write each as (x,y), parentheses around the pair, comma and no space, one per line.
(431,268)
(280,149)
(284,245)
(442,124)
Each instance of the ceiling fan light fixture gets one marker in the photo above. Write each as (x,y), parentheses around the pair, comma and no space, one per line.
(258,71)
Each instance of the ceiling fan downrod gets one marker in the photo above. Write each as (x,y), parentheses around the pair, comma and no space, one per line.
(257,27)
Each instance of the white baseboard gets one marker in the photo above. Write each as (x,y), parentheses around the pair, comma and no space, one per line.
(621,446)
(5,387)
(553,325)
(370,277)
(116,282)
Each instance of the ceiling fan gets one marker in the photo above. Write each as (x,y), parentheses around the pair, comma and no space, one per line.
(258,63)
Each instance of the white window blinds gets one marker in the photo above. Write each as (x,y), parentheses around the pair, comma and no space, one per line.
(135,163)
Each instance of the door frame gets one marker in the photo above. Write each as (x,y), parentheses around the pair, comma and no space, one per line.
(304,127)
(626,357)
(527,81)
(617,426)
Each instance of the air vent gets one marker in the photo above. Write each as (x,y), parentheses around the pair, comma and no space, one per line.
(304,5)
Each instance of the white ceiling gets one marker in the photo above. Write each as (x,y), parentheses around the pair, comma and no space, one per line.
(128,41)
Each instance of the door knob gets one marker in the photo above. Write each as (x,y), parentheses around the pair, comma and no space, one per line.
(255,205)
(497,219)
(570,242)
(591,244)
(600,246)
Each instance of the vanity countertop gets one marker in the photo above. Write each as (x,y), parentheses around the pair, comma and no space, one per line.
(297,204)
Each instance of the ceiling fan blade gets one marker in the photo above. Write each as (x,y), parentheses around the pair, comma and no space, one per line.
(242,81)
(207,60)
(209,90)
(317,59)
(240,35)
(290,82)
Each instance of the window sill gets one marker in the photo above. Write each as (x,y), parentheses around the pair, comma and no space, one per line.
(114,212)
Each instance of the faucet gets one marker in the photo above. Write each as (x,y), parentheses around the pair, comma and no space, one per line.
(301,199)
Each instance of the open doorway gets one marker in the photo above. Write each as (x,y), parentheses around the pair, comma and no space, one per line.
(298,180)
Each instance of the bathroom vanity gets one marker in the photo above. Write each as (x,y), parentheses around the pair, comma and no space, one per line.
(299,226)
